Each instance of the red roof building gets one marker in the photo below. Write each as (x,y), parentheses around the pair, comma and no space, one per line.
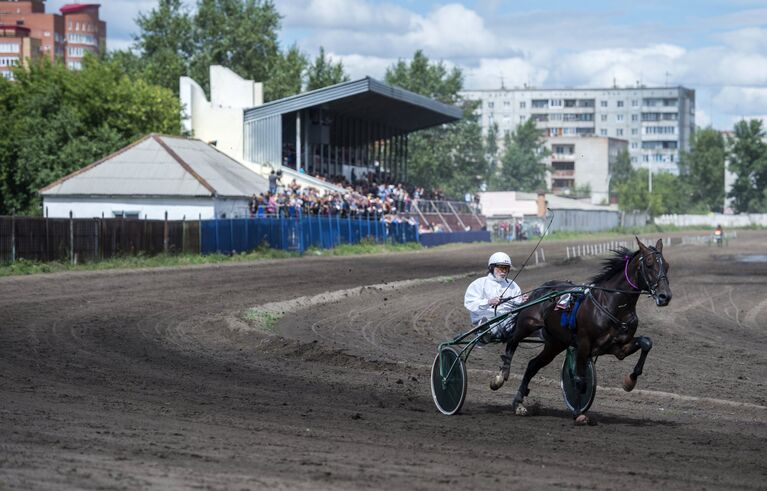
(67,36)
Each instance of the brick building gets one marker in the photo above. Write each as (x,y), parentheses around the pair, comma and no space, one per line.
(67,36)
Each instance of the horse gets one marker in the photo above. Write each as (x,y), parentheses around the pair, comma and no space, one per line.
(605,322)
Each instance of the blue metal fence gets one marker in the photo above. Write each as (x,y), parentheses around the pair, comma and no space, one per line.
(297,233)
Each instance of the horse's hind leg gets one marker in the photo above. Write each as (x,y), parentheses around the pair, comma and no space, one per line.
(503,374)
(550,351)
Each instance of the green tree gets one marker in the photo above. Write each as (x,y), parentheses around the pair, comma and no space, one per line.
(56,121)
(238,34)
(522,163)
(748,161)
(491,151)
(287,76)
(449,157)
(633,194)
(323,72)
(621,171)
(421,76)
(701,171)
(165,45)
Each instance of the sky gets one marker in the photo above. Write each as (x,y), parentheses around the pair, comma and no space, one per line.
(718,48)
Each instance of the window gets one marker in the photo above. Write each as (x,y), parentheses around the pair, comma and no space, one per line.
(47,34)
(619,103)
(634,102)
(9,47)
(522,119)
(603,132)
(602,103)
(7,75)
(491,104)
(506,103)
(634,117)
(634,131)
(603,117)
(619,117)
(619,132)
(556,103)
(522,105)
(74,65)
(634,145)
(9,60)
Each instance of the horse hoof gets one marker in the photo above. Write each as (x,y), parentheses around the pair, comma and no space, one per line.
(629,383)
(520,410)
(581,420)
(497,382)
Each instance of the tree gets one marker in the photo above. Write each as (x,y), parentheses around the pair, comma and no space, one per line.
(238,34)
(748,161)
(323,72)
(621,171)
(701,171)
(491,151)
(522,163)
(426,78)
(449,157)
(287,76)
(165,45)
(633,194)
(55,121)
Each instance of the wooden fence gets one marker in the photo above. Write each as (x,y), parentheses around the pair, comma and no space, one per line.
(93,239)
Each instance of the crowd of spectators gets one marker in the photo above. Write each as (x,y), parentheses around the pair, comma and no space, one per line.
(369,197)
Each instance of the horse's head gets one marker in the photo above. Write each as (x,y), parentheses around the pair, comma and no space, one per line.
(653,271)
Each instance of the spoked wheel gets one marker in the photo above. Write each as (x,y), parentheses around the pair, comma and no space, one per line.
(577,402)
(448,381)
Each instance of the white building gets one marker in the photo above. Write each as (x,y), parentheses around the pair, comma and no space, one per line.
(182,177)
(657,122)
(580,161)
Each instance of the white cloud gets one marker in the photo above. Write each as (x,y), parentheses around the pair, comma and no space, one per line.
(355,15)
(742,101)
(512,72)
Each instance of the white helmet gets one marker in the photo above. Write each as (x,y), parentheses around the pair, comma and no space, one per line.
(499,258)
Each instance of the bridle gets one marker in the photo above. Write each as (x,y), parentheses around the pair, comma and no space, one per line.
(651,288)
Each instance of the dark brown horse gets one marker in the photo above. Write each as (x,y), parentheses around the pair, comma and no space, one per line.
(605,322)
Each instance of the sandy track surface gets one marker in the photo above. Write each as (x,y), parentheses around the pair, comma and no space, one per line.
(153,378)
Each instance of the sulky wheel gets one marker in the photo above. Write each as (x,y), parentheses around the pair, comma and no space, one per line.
(448,381)
(577,402)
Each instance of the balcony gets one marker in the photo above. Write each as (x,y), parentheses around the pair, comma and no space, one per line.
(563,174)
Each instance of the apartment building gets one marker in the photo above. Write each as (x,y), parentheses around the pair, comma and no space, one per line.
(578,161)
(656,122)
(67,36)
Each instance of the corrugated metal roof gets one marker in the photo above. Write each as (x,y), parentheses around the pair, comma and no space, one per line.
(162,166)
(370,99)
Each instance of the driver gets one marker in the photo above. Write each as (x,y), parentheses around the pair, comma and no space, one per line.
(484,294)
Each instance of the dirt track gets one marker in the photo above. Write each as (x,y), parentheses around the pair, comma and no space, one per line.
(153,379)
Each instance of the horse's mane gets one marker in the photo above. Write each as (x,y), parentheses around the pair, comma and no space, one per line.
(613,264)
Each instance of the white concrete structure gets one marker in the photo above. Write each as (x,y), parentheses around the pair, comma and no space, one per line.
(220,120)
(182,177)
(586,160)
(657,122)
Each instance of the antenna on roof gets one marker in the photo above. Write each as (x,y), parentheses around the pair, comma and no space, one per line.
(503,87)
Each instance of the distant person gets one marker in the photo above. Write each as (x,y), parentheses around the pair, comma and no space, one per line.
(273,182)
(719,235)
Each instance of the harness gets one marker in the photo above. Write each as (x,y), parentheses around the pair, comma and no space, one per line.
(568,316)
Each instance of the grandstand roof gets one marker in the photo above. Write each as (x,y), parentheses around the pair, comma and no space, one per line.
(367,99)
(162,166)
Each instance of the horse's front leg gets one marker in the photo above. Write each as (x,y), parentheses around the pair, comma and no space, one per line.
(550,351)
(583,352)
(641,342)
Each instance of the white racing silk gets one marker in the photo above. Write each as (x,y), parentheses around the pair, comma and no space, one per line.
(481,290)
